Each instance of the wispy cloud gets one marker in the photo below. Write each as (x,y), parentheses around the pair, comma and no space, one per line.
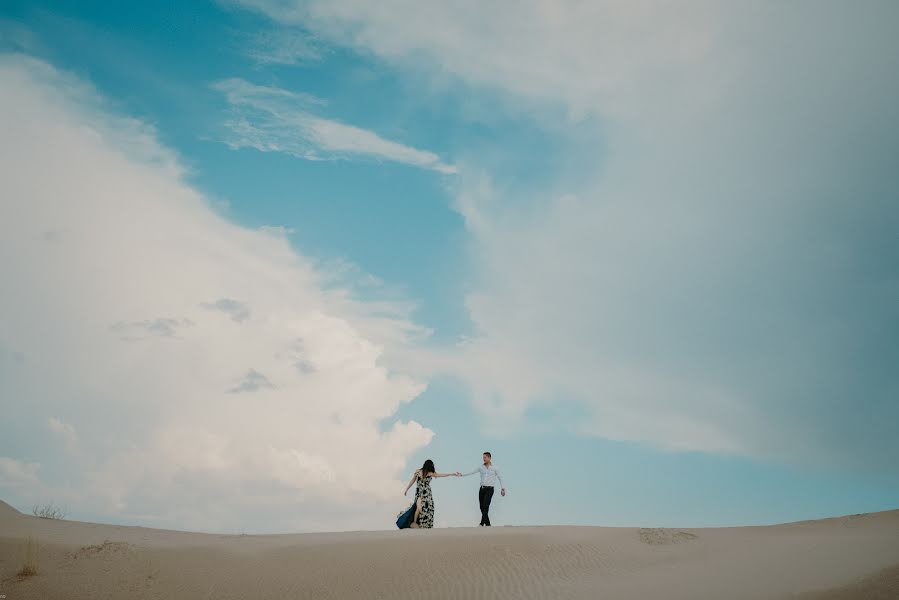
(272,119)
(16,37)
(66,432)
(239,311)
(284,47)
(162,326)
(253,381)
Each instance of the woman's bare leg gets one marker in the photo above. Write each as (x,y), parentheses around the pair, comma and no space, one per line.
(417,513)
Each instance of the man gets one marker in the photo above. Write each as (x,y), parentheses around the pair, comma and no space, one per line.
(489,478)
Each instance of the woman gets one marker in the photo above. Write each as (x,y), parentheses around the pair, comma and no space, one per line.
(424,501)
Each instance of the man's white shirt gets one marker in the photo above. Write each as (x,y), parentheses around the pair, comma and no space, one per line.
(489,476)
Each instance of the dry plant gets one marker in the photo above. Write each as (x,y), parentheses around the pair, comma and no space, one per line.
(29,562)
(48,511)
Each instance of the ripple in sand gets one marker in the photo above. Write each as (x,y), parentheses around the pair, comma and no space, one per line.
(664,537)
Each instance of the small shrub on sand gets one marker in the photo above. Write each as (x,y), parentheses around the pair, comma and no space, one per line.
(48,511)
(29,562)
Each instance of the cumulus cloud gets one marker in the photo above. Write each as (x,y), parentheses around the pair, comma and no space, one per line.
(157,432)
(275,120)
(723,276)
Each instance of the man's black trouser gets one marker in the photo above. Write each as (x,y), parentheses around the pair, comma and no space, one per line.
(485,495)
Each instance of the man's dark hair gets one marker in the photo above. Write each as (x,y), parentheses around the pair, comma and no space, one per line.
(488,454)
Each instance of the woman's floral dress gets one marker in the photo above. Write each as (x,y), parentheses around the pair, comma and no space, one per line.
(423,491)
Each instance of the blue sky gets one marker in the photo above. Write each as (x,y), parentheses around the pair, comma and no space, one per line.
(646,258)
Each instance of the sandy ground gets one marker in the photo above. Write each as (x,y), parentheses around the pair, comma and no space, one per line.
(840,558)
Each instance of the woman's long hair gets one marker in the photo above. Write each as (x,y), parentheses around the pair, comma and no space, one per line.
(428,467)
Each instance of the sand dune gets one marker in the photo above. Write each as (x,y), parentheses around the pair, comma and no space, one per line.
(839,558)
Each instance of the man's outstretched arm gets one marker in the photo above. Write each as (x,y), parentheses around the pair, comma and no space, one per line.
(471,472)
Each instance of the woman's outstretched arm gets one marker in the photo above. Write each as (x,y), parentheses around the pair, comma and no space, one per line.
(456,474)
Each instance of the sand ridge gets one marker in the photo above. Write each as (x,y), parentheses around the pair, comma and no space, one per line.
(804,560)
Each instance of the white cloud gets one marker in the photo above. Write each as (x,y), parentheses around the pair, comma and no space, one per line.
(283,47)
(237,310)
(276,120)
(63,429)
(15,473)
(722,277)
(253,381)
(136,330)
(137,253)
(584,53)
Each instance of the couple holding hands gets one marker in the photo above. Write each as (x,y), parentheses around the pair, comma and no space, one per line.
(421,513)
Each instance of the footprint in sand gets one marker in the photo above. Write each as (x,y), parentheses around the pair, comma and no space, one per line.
(105,549)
